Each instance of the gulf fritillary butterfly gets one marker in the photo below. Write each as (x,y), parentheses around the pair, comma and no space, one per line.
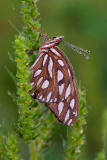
(54,83)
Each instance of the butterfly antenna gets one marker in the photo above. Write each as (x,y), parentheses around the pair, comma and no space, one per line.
(78,49)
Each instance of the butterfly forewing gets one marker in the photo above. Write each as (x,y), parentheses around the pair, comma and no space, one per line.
(54,84)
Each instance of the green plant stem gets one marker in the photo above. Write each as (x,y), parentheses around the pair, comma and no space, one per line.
(32,150)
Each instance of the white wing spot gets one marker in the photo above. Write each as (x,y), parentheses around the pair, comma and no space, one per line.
(40,97)
(32,94)
(40,80)
(68,91)
(60,107)
(61,62)
(49,96)
(50,66)
(43,50)
(55,100)
(54,51)
(59,75)
(37,72)
(43,99)
(76,114)
(67,115)
(37,60)
(69,72)
(61,88)
(32,83)
(45,84)
(45,58)
(72,103)
(69,122)
(51,100)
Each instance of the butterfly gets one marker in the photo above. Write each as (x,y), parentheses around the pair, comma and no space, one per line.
(53,81)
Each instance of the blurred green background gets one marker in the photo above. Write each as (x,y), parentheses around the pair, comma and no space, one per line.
(81,22)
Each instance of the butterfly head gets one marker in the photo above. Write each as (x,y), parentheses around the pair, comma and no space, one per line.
(58,39)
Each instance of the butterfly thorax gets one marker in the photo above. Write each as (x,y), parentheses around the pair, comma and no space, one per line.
(49,44)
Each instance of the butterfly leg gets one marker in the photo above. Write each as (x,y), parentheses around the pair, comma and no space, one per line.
(31,51)
(40,32)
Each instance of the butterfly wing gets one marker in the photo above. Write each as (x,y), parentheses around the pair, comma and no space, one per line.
(55,85)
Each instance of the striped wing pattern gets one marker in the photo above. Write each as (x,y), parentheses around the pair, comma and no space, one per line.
(53,83)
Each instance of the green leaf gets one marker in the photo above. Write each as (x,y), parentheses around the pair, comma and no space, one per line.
(11,75)
(55,149)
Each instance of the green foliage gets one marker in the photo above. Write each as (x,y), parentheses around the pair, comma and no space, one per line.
(25,41)
(11,75)
(9,148)
(100,156)
(47,138)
